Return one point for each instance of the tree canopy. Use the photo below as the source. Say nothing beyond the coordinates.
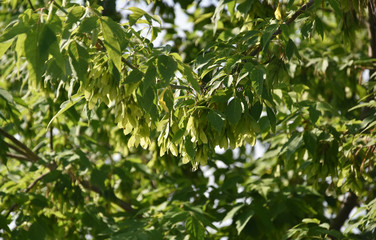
(106, 134)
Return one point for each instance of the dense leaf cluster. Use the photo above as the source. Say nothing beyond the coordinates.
(97, 124)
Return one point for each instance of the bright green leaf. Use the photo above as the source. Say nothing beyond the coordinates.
(111, 41)
(65, 106)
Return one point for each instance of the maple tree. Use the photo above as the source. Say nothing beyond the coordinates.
(106, 135)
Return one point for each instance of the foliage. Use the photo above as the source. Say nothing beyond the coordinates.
(105, 135)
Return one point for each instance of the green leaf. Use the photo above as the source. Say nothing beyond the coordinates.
(6, 95)
(192, 78)
(314, 114)
(150, 77)
(232, 212)
(256, 110)
(166, 67)
(135, 76)
(234, 111)
(216, 119)
(319, 27)
(79, 60)
(267, 36)
(88, 24)
(46, 39)
(195, 228)
(36, 64)
(4, 46)
(168, 98)
(293, 144)
(4, 224)
(111, 42)
(137, 13)
(290, 48)
(271, 117)
(257, 77)
(189, 147)
(97, 178)
(147, 100)
(243, 219)
(178, 135)
(245, 6)
(291, 2)
(65, 106)
(13, 31)
(336, 6)
(310, 142)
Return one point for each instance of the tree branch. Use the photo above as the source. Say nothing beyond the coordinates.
(31, 5)
(33, 157)
(19, 157)
(301, 10)
(18, 150)
(343, 214)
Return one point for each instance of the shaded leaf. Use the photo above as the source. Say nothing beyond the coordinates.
(234, 111)
(310, 142)
(166, 67)
(149, 77)
(243, 219)
(257, 78)
(232, 212)
(216, 120)
(135, 76)
(271, 117)
(195, 228)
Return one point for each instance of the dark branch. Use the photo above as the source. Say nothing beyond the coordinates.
(343, 214)
(51, 139)
(31, 5)
(33, 157)
(19, 157)
(301, 10)
(18, 150)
